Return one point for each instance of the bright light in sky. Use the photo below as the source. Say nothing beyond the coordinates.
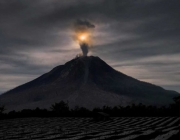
(82, 37)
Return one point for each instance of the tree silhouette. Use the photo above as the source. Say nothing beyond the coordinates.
(2, 109)
(174, 108)
(60, 108)
(177, 100)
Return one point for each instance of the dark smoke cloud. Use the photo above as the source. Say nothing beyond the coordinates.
(84, 48)
(84, 26)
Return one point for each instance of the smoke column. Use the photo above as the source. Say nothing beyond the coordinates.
(84, 48)
(83, 32)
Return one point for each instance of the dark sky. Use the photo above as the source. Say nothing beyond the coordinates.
(140, 38)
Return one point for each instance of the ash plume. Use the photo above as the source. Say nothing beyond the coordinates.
(84, 24)
(84, 48)
(83, 32)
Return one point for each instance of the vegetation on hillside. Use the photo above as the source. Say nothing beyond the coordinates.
(62, 109)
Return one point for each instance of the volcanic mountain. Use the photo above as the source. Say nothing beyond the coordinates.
(88, 82)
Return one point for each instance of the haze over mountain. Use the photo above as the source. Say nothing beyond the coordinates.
(88, 82)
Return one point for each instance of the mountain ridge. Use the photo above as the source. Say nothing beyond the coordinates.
(85, 81)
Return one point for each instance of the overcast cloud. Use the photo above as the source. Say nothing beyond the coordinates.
(137, 37)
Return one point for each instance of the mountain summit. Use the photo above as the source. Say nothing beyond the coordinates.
(85, 81)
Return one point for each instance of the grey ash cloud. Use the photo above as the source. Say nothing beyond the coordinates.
(84, 23)
(137, 37)
(81, 27)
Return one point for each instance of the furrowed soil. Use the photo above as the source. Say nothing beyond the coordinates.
(120, 128)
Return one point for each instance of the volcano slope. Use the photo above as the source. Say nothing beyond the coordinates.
(87, 82)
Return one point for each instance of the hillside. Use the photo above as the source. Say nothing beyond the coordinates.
(88, 82)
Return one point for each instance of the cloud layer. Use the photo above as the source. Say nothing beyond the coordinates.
(139, 38)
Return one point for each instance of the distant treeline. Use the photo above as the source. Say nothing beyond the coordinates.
(62, 109)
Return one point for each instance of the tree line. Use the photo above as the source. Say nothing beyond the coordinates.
(62, 109)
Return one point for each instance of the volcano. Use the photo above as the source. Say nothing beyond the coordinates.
(85, 81)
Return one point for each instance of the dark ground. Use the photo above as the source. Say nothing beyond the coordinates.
(121, 128)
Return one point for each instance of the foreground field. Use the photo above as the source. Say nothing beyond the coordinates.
(139, 128)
